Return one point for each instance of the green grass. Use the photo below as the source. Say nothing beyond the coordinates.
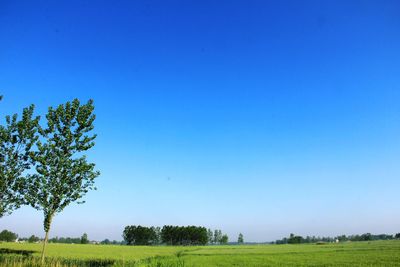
(376, 253)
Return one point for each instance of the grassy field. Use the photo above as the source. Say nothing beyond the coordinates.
(376, 253)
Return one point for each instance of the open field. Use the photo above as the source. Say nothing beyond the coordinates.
(375, 253)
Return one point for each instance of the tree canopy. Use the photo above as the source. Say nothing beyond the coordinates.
(17, 139)
(169, 235)
(240, 238)
(8, 236)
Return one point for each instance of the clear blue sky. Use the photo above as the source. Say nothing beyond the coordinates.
(260, 117)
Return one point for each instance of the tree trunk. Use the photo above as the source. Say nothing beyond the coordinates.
(46, 238)
(44, 246)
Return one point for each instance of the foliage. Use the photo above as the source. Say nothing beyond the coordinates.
(240, 238)
(17, 139)
(295, 239)
(84, 239)
(63, 174)
(184, 235)
(313, 239)
(217, 236)
(140, 235)
(169, 235)
(210, 236)
(65, 240)
(33, 239)
(224, 239)
(8, 236)
(105, 242)
(114, 242)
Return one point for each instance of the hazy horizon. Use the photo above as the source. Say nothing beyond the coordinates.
(251, 117)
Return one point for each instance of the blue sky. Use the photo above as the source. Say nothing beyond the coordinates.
(258, 117)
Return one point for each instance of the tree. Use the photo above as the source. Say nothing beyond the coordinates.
(224, 239)
(366, 237)
(17, 138)
(105, 242)
(84, 239)
(397, 236)
(140, 235)
(210, 236)
(63, 174)
(295, 239)
(240, 239)
(8, 236)
(33, 239)
(184, 235)
(217, 236)
(157, 236)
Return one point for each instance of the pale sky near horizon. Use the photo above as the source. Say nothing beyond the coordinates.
(260, 117)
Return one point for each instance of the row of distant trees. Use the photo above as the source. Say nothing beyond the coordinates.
(184, 235)
(297, 239)
(71, 240)
(173, 235)
(8, 236)
(217, 237)
(43, 162)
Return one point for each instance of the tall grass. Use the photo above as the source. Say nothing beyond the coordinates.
(13, 260)
(32, 261)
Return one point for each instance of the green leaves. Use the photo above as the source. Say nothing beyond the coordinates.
(63, 174)
(17, 139)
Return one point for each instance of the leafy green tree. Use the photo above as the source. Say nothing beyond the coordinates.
(84, 239)
(17, 138)
(157, 235)
(184, 235)
(63, 175)
(105, 242)
(33, 239)
(224, 239)
(217, 236)
(295, 239)
(240, 239)
(397, 236)
(8, 236)
(140, 235)
(210, 236)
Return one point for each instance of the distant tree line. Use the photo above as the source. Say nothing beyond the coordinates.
(141, 235)
(113, 242)
(31, 239)
(172, 235)
(189, 235)
(71, 240)
(184, 235)
(9, 236)
(296, 239)
(82, 240)
(368, 237)
(216, 237)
